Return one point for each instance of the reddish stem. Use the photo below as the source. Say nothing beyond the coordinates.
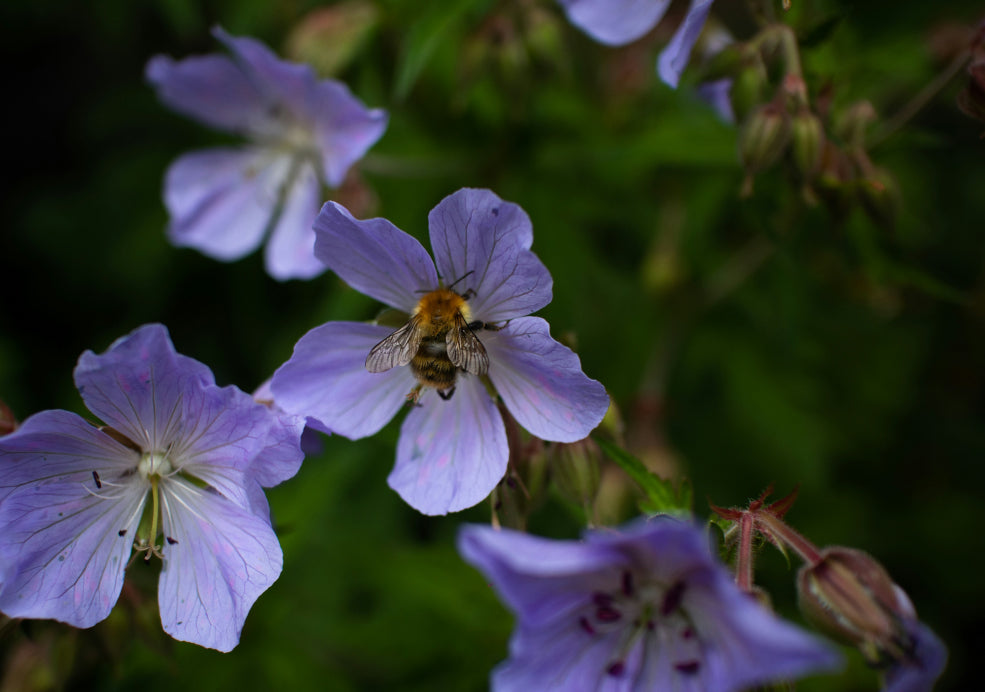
(774, 526)
(743, 563)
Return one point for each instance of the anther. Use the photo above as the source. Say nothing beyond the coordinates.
(172, 541)
(672, 598)
(627, 583)
(95, 478)
(687, 667)
(121, 532)
(586, 625)
(616, 669)
(607, 614)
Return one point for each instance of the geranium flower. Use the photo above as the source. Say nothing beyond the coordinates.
(176, 472)
(303, 132)
(617, 22)
(647, 608)
(925, 661)
(452, 449)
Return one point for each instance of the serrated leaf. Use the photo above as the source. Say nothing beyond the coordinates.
(661, 496)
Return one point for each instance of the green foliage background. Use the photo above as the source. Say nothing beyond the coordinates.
(745, 340)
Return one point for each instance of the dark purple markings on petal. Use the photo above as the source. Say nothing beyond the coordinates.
(121, 533)
(601, 599)
(95, 478)
(172, 541)
(672, 598)
(627, 583)
(616, 668)
(607, 614)
(688, 633)
(586, 625)
(688, 667)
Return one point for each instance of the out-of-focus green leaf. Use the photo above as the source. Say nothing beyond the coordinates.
(661, 496)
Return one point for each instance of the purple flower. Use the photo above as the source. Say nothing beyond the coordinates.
(303, 132)
(616, 22)
(179, 459)
(926, 659)
(647, 608)
(467, 332)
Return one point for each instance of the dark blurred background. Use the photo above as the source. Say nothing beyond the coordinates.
(783, 337)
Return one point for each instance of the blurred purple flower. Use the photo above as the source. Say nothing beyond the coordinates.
(617, 22)
(73, 496)
(647, 608)
(452, 449)
(303, 132)
(925, 660)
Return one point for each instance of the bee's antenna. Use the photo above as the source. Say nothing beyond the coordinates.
(459, 279)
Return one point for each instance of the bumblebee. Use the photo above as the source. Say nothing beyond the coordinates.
(438, 341)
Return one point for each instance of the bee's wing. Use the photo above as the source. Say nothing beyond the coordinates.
(465, 351)
(397, 349)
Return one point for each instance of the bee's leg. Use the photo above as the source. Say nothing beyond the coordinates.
(414, 395)
(447, 393)
(488, 326)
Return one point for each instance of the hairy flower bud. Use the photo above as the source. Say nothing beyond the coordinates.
(575, 469)
(8, 423)
(808, 142)
(764, 137)
(850, 596)
(749, 87)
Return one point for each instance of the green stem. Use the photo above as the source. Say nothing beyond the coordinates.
(920, 100)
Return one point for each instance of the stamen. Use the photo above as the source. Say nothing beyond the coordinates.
(616, 668)
(673, 598)
(688, 667)
(627, 583)
(95, 478)
(601, 599)
(172, 541)
(607, 614)
(121, 533)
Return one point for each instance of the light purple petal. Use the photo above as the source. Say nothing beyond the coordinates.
(219, 560)
(744, 644)
(139, 384)
(717, 95)
(615, 22)
(451, 454)
(326, 380)
(483, 243)
(374, 257)
(673, 59)
(541, 381)
(288, 89)
(539, 579)
(222, 200)
(345, 128)
(919, 673)
(61, 530)
(290, 252)
(223, 434)
(211, 89)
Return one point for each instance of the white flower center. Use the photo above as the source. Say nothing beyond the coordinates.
(155, 465)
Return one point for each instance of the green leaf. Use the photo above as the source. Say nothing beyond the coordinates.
(661, 496)
(423, 38)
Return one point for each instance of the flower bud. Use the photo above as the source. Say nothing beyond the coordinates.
(749, 87)
(8, 423)
(808, 142)
(880, 197)
(854, 122)
(575, 469)
(329, 38)
(851, 597)
(764, 137)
